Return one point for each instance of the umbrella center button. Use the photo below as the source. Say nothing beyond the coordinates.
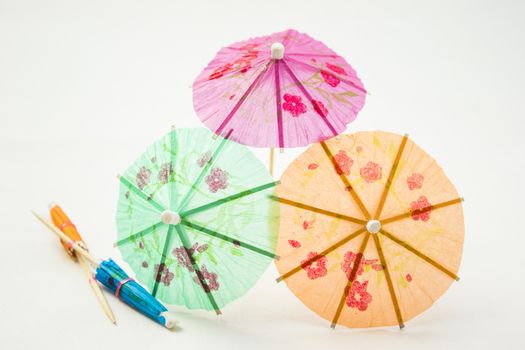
(373, 226)
(170, 217)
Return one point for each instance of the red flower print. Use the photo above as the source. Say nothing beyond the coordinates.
(219, 72)
(317, 271)
(313, 166)
(335, 68)
(307, 224)
(358, 297)
(217, 180)
(209, 277)
(231, 97)
(344, 162)
(421, 209)
(143, 177)
(349, 260)
(183, 258)
(163, 274)
(294, 243)
(371, 172)
(330, 78)
(409, 277)
(320, 108)
(165, 171)
(415, 181)
(294, 105)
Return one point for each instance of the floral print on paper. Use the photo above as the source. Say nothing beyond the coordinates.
(143, 177)
(371, 172)
(358, 297)
(210, 279)
(344, 163)
(164, 173)
(314, 269)
(163, 274)
(349, 260)
(294, 244)
(217, 180)
(335, 68)
(421, 209)
(313, 166)
(205, 158)
(415, 181)
(294, 104)
(320, 108)
(330, 78)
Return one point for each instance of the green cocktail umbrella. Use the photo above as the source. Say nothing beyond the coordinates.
(194, 219)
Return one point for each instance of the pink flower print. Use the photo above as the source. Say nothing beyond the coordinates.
(294, 105)
(163, 274)
(349, 260)
(344, 163)
(415, 181)
(165, 171)
(206, 157)
(219, 72)
(313, 272)
(313, 166)
(217, 180)
(294, 243)
(143, 177)
(330, 78)
(408, 277)
(358, 297)
(335, 68)
(320, 108)
(421, 209)
(210, 279)
(307, 224)
(183, 258)
(371, 172)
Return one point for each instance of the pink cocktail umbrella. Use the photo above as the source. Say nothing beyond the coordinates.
(281, 90)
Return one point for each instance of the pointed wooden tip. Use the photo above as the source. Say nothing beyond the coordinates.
(401, 326)
(278, 279)
(118, 176)
(333, 326)
(277, 257)
(218, 312)
(172, 127)
(457, 278)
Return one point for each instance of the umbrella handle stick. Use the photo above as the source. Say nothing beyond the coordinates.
(76, 247)
(271, 160)
(96, 289)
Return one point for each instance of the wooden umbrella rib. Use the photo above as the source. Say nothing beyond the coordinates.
(229, 198)
(388, 278)
(229, 239)
(141, 194)
(420, 211)
(203, 172)
(386, 190)
(351, 280)
(321, 254)
(167, 242)
(205, 287)
(419, 254)
(139, 234)
(317, 210)
(343, 178)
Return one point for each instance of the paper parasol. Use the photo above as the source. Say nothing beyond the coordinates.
(281, 90)
(194, 219)
(371, 229)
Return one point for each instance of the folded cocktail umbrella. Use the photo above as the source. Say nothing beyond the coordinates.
(371, 229)
(281, 90)
(194, 219)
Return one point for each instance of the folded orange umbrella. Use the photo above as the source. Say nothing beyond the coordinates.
(64, 224)
(371, 229)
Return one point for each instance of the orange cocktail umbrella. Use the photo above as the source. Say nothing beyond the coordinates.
(371, 229)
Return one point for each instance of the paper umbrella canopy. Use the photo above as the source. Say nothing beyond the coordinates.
(371, 229)
(281, 90)
(195, 221)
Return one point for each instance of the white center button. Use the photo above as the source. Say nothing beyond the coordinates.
(170, 217)
(373, 226)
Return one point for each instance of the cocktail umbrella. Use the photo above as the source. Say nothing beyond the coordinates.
(371, 229)
(115, 279)
(194, 219)
(281, 90)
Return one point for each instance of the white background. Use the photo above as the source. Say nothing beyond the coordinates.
(86, 86)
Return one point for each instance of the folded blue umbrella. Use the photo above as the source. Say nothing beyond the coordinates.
(130, 292)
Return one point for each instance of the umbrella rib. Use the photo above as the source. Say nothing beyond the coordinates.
(141, 194)
(317, 210)
(419, 254)
(278, 105)
(209, 163)
(205, 287)
(307, 95)
(388, 278)
(243, 98)
(158, 275)
(349, 82)
(391, 176)
(139, 234)
(229, 198)
(229, 239)
(343, 178)
(421, 211)
(321, 254)
(172, 167)
(351, 280)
